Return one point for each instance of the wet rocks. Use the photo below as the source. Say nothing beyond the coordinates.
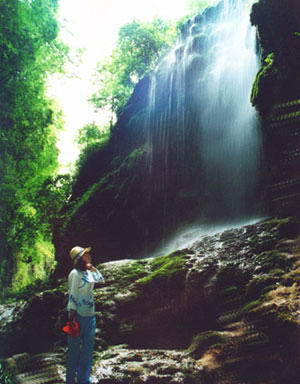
(222, 309)
(122, 365)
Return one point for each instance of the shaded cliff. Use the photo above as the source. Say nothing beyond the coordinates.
(276, 94)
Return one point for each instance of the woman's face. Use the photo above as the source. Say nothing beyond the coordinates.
(87, 258)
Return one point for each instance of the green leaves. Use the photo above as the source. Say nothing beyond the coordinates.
(197, 6)
(138, 49)
(29, 52)
(90, 134)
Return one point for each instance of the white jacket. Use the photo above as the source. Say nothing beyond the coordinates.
(81, 284)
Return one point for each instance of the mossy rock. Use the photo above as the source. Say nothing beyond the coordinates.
(280, 326)
(288, 227)
(231, 274)
(163, 268)
(277, 272)
(255, 288)
(132, 271)
(249, 307)
(254, 240)
(272, 260)
(201, 342)
(132, 159)
(264, 80)
(228, 292)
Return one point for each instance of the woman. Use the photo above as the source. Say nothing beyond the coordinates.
(82, 309)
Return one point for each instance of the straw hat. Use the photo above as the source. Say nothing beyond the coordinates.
(77, 252)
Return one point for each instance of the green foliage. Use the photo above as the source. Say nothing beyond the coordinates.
(138, 48)
(131, 160)
(263, 82)
(198, 6)
(91, 143)
(44, 285)
(30, 52)
(195, 7)
(90, 134)
(6, 377)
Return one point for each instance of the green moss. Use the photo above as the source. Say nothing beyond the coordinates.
(277, 272)
(163, 267)
(133, 271)
(256, 287)
(228, 291)
(271, 260)
(287, 227)
(132, 159)
(253, 240)
(267, 289)
(249, 307)
(104, 183)
(26, 293)
(262, 84)
(116, 181)
(201, 342)
(279, 325)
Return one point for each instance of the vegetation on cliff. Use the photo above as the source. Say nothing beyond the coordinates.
(30, 51)
(277, 24)
(138, 49)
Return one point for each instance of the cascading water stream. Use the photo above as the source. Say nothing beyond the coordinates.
(203, 130)
(229, 144)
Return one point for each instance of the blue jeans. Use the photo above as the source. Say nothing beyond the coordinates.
(80, 351)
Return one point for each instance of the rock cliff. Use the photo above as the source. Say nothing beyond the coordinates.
(276, 94)
(151, 176)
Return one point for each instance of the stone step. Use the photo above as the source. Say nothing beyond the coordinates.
(288, 246)
(228, 317)
(47, 375)
(44, 368)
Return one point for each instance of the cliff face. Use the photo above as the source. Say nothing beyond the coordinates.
(151, 177)
(137, 189)
(276, 94)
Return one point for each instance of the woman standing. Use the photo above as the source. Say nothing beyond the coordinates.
(81, 308)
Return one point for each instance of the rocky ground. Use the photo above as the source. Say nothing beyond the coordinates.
(225, 311)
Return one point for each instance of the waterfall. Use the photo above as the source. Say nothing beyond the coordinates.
(202, 130)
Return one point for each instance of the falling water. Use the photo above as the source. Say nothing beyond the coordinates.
(203, 131)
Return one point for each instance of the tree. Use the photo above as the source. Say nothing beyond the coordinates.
(138, 49)
(30, 51)
(197, 6)
(89, 134)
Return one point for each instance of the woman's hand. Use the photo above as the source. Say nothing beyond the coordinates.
(91, 268)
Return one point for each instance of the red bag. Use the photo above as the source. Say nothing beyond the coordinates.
(72, 328)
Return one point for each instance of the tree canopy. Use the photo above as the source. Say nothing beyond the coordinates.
(197, 6)
(30, 52)
(138, 49)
